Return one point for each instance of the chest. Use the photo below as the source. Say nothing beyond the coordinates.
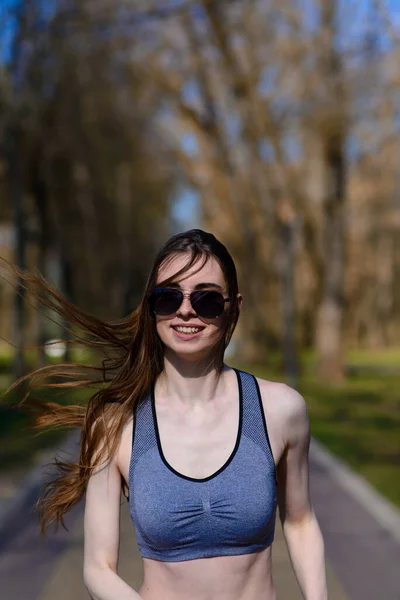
(236, 506)
(197, 443)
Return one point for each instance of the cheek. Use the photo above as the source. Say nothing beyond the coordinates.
(162, 327)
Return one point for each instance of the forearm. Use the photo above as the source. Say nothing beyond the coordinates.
(105, 584)
(306, 550)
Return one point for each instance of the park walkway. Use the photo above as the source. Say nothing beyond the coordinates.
(362, 541)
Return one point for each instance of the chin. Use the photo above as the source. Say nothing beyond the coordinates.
(183, 350)
(187, 350)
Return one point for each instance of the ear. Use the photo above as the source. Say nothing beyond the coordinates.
(240, 301)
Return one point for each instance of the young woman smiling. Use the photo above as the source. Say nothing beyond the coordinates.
(204, 453)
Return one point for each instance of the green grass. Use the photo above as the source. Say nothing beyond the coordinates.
(390, 357)
(358, 420)
(19, 442)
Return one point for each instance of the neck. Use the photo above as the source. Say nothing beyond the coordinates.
(191, 383)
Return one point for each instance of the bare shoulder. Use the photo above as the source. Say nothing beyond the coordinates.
(285, 398)
(286, 406)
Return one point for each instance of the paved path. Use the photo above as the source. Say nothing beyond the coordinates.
(361, 529)
(362, 547)
(32, 568)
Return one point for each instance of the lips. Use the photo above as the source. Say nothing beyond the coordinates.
(187, 332)
(188, 326)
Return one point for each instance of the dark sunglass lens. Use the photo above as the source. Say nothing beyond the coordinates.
(208, 304)
(166, 302)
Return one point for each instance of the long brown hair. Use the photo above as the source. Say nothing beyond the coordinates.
(132, 355)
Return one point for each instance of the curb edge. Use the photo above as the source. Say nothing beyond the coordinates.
(381, 509)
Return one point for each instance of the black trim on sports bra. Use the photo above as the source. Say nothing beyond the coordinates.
(229, 460)
(265, 425)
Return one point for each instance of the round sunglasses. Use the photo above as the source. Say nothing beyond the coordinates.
(208, 304)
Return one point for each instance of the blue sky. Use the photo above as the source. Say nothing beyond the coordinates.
(7, 29)
(394, 6)
(186, 209)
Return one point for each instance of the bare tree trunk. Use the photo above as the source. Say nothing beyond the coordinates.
(67, 290)
(39, 192)
(20, 246)
(330, 313)
(290, 355)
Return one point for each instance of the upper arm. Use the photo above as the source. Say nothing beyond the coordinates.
(293, 470)
(101, 522)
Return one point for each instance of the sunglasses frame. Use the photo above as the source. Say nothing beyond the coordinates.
(188, 295)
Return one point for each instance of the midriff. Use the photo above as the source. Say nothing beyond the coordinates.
(239, 577)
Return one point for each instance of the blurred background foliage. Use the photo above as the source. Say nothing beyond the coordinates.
(273, 125)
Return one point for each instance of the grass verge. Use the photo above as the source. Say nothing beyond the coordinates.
(19, 442)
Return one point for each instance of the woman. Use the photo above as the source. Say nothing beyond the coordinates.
(203, 452)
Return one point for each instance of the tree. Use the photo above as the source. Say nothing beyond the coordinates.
(94, 179)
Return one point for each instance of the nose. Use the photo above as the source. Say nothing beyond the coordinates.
(186, 308)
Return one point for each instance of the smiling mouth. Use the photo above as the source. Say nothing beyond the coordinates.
(187, 330)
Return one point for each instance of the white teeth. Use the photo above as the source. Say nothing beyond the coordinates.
(187, 329)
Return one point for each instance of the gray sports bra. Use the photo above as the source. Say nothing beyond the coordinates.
(230, 512)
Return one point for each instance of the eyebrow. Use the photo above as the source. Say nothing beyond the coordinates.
(198, 286)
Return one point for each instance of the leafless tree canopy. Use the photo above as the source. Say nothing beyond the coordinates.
(282, 117)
